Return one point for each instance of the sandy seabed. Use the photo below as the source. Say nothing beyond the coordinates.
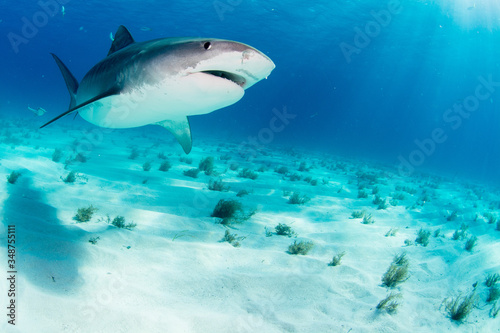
(173, 272)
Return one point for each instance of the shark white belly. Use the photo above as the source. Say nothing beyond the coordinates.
(170, 99)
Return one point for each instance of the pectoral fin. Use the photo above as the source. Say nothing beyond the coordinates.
(110, 92)
(181, 129)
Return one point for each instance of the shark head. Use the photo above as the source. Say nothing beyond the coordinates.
(200, 75)
(193, 76)
(239, 63)
(163, 81)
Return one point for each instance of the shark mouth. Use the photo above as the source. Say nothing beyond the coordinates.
(235, 78)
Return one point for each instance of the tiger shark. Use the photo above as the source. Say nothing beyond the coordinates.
(163, 82)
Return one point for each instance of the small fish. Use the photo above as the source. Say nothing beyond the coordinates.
(111, 37)
(63, 11)
(146, 29)
(38, 112)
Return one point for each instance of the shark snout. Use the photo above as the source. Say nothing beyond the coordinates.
(250, 55)
(255, 66)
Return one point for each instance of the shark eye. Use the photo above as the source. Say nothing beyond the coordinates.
(207, 45)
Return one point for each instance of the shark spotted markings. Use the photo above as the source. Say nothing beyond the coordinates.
(163, 81)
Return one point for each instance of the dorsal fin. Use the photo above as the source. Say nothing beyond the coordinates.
(122, 39)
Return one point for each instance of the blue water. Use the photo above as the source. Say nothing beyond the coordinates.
(373, 103)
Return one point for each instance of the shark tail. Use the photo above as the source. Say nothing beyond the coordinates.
(70, 80)
(72, 85)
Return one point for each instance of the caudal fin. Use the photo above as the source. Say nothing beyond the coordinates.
(70, 80)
